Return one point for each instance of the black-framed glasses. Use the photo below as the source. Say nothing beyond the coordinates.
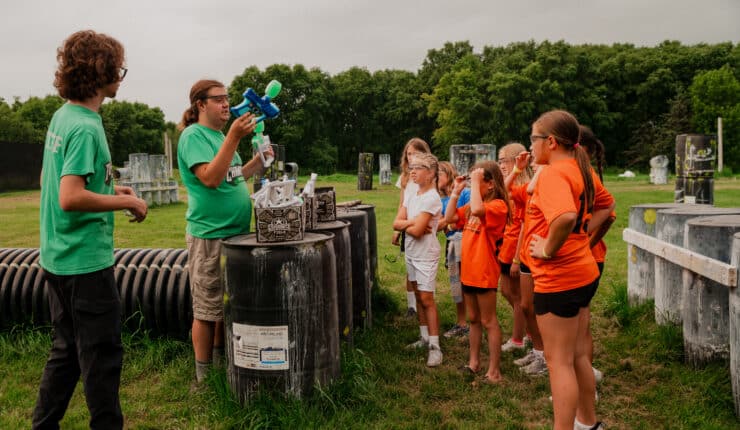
(533, 138)
(221, 98)
(505, 160)
(122, 73)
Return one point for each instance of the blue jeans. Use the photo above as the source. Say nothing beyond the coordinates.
(86, 317)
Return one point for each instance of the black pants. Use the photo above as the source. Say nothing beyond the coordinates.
(86, 317)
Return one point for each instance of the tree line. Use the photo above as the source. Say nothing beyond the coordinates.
(636, 99)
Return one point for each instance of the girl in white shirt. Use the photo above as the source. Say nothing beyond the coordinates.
(418, 218)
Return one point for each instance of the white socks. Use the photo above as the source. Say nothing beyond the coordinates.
(411, 299)
(201, 370)
(434, 341)
(580, 426)
(424, 332)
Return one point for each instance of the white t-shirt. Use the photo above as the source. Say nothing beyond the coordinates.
(411, 188)
(427, 246)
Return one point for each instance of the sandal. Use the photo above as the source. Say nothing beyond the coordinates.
(485, 380)
(468, 371)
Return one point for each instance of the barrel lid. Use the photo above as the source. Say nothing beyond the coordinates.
(732, 220)
(251, 240)
(690, 209)
(330, 225)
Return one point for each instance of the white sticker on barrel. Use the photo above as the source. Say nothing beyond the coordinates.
(260, 347)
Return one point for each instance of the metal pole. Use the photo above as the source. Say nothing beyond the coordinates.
(719, 144)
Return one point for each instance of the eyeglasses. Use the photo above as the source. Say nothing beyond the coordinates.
(220, 99)
(122, 73)
(505, 160)
(533, 138)
(417, 167)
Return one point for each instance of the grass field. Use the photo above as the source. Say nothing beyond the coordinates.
(646, 384)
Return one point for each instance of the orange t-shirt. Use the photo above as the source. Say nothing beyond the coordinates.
(521, 198)
(511, 233)
(602, 200)
(479, 267)
(560, 190)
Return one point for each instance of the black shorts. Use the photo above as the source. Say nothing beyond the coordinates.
(596, 282)
(565, 304)
(467, 289)
(523, 268)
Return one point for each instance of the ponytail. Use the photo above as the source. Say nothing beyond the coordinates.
(190, 116)
(584, 164)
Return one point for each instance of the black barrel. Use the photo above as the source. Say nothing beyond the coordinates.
(696, 155)
(280, 314)
(343, 253)
(361, 280)
(372, 236)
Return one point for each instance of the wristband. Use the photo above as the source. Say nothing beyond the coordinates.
(515, 261)
(454, 195)
(544, 254)
(516, 169)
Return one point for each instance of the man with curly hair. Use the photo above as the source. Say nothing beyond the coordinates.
(77, 200)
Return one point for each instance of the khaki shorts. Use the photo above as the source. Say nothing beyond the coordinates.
(206, 286)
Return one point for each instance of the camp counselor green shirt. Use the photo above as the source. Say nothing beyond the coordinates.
(219, 212)
(75, 242)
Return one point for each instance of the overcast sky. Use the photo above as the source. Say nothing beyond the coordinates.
(172, 43)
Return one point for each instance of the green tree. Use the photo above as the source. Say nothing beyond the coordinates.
(14, 129)
(132, 128)
(716, 93)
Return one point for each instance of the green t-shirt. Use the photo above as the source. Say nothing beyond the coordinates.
(213, 213)
(75, 242)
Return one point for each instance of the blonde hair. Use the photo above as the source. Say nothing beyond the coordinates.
(449, 169)
(429, 160)
(512, 149)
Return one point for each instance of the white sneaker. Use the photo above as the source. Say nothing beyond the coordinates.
(526, 359)
(419, 344)
(538, 366)
(598, 374)
(435, 356)
(510, 345)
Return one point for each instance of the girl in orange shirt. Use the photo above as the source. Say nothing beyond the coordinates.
(507, 257)
(563, 268)
(485, 218)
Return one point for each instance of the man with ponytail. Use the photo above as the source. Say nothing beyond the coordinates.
(218, 207)
(563, 267)
(78, 198)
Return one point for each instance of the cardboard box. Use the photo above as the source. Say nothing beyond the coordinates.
(326, 204)
(280, 224)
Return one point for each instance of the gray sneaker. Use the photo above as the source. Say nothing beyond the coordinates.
(538, 366)
(419, 344)
(435, 356)
(526, 359)
(457, 331)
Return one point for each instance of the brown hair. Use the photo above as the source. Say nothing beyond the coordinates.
(449, 169)
(512, 149)
(564, 127)
(491, 172)
(198, 92)
(88, 61)
(418, 144)
(594, 149)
